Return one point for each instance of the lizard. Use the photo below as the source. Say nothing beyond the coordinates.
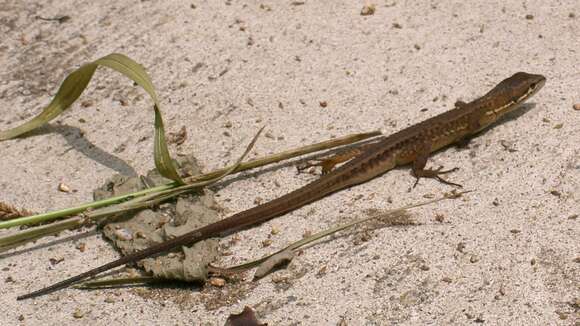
(412, 145)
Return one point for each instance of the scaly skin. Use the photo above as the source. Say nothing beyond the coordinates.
(411, 145)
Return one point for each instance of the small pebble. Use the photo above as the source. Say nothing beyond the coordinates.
(123, 234)
(63, 188)
(78, 314)
(502, 290)
(269, 135)
(217, 282)
(266, 243)
(81, 246)
(368, 10)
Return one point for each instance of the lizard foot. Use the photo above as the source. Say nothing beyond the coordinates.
(326, 164)
(435, 174)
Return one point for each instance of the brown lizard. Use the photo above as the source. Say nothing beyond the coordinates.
(411, 145)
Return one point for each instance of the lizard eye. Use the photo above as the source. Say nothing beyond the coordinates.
(533, 86)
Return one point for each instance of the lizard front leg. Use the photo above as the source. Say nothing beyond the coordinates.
(419, 170)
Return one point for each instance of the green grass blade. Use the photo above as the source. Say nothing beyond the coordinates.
(76, 82)
(70, 89)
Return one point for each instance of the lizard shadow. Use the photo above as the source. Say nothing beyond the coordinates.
(523, 109)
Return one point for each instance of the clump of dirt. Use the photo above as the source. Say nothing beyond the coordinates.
(147, 227)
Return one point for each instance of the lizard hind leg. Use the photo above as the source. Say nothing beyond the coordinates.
(328, 163)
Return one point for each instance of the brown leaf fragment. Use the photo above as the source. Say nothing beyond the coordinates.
(245, 318)
(177, 138)
(278, 259)
(8, 212)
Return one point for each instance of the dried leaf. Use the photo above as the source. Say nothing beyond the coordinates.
(245, 318)
(8, 212)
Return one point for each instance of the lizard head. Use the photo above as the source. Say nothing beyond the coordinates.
(509, 94)
(521, 86)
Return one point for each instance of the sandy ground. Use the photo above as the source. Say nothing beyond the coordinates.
(504, 255)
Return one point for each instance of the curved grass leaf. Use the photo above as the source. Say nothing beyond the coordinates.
(76, 82)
